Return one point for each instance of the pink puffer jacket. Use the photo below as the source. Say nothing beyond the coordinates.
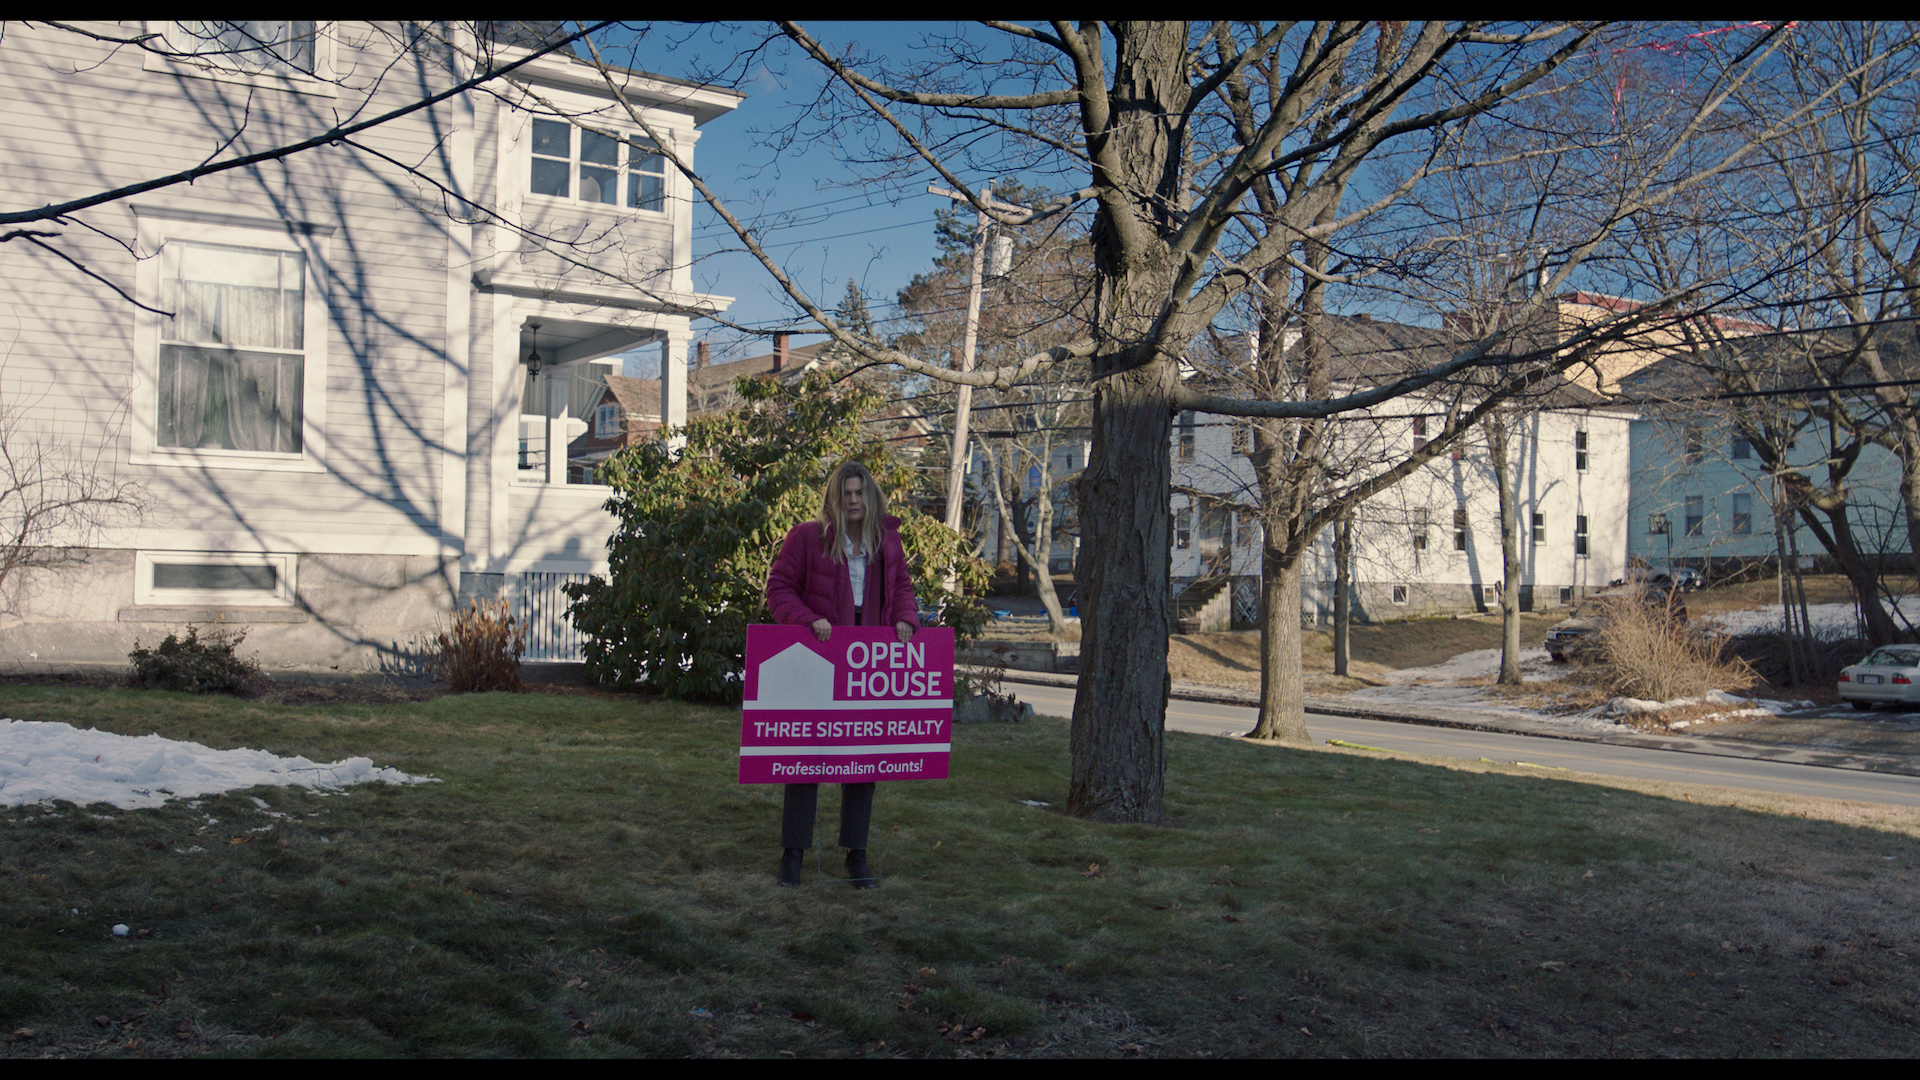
(804, 584)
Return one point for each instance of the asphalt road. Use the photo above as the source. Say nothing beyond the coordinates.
(1592, 757)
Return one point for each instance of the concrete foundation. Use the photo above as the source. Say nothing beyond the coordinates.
(350, 614)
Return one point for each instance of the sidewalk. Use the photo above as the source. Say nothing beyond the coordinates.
(1889, 744)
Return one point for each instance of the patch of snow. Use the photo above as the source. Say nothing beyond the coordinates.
(1480, 663)
(1827, 619)
(44, 762)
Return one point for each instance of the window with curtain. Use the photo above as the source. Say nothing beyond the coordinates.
(232, 364)
(276, 46)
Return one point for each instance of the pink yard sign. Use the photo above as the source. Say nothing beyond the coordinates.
(858, 707)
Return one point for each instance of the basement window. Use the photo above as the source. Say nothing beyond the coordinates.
(185, 577)
(1400, 594)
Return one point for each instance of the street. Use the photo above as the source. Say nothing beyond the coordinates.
(1592, 757)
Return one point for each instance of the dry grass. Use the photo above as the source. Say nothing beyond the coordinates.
(588, 881)
(1653, 655)
(1232, 658)
(481, 652)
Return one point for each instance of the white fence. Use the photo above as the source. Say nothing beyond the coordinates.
(540, 605)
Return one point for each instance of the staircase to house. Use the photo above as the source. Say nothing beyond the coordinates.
(1203, 606)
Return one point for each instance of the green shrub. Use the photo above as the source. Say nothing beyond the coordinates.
(194, 665)
(698, 529)
(481, 651)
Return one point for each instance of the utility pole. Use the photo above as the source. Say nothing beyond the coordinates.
(963, 403)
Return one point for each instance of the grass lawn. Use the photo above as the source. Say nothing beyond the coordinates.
(587, 880)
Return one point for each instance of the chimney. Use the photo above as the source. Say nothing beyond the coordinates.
(780, 351)
(700, 356)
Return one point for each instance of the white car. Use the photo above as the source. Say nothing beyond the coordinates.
(1890, 673)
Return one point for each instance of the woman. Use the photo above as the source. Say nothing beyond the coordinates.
(845, 569)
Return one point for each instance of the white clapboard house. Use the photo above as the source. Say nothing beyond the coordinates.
(337, 377)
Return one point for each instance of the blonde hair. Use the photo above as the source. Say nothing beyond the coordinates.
(833, 511)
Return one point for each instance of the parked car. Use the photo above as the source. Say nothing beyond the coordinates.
(1579, 634)
(1685, 578)
(1889, 673)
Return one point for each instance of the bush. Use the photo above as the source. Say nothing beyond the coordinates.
(698, 529)
(1652, 653)
(193, 665)
(482, 650)
(1767, 655)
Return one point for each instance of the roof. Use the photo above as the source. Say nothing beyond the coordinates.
(1373, 352)
(719, 376)
(1782, 360)
(636, 397)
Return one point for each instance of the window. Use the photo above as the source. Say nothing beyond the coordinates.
(1419, 432)
(1458, 453)
(1420, 528)
(1243, 531)
(1696, 515)
(606, 421)
(1566, 595)
(1696, 444)
(1580, 451)
(1742, 448)
(234, 374)
(1743, 515)
(1243, 437)
(273, 46)
(1580, 536)
(1656, 524)
(232, 357)
(1183, 529)
(1186, 435)
(591, 167)
(226, 579)
(1400, 594)
(1539, 528)
(1460, 528)
(284, 54)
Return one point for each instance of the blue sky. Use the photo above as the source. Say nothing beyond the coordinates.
(878, 234)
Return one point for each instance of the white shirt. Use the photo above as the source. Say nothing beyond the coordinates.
(857, 572)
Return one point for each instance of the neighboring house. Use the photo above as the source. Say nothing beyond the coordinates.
(1431, 543)
(619, 413)
(1702, 497)
(344, 423)
(1069, 457)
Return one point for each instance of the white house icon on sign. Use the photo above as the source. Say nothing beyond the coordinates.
(796, 678)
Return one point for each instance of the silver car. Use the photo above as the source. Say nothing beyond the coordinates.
(1890, 673)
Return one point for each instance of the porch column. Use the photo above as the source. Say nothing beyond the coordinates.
(673, 382)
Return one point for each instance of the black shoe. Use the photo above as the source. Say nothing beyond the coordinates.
(791, 860)
(863, 877)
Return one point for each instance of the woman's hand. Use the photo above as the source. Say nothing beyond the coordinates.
(906, 631)
(822, 628)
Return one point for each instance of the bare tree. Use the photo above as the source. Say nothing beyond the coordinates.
(55, 498)
(1118, 104)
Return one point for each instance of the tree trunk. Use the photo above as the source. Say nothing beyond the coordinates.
(1838, 540)
(1283, 686)
(1118, 739)
(1505, 477)
(1343, 595)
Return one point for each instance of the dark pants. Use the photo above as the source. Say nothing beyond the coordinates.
(803, 801)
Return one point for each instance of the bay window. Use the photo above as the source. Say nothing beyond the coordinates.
(569, 162)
